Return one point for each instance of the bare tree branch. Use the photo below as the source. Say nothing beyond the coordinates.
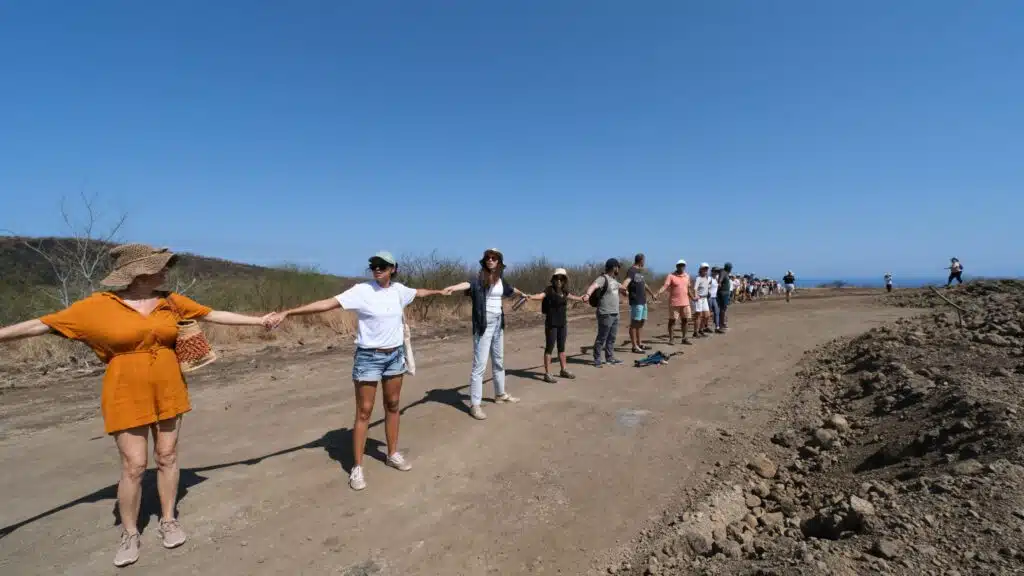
(79, 260)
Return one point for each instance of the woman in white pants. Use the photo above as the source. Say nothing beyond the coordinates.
(487, 289)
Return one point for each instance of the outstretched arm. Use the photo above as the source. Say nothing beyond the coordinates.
(421, 292)
(650, 292)
(26, 329)
(274, 319)
(590, 290)
(233, 319)
(460, 287)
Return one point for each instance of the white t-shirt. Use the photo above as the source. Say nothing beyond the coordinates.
(380, 312)
(494, 298)
(713, 293)
(702, 285)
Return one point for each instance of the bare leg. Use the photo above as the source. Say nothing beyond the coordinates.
(365, 394)
(132, 445)
(165, 449)
(392, 400)
(671, 329)
(561, 360)
(547, 362)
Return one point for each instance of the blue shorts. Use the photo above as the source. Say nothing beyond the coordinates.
(372, 366)
(638, 312)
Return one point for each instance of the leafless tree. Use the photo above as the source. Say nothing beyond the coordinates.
(79, 261)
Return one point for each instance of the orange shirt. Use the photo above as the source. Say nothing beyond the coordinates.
(678, 289)
(143, 383)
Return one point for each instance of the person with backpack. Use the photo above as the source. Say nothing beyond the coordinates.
(603, 294)
(790, 282)
(554, 305)
(486, 290)
(679, 296)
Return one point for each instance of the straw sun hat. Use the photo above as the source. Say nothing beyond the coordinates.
(133, 260)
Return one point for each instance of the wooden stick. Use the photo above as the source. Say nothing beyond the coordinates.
(946, 299)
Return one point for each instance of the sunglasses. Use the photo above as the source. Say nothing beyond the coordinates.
(379, 266)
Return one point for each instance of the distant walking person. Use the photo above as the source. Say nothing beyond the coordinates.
(554, 305)
(486, 290)
(606, 291)
(888, 281)
(956, 270)
(725, 289)
(133, 330)
(379, 355)
(637, 289)
(679, 296)
(789, 280)
(701, 290)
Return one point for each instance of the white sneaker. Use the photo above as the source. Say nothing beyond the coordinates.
(398, 462)
(355, 479)
(477, 412)
(506, 397)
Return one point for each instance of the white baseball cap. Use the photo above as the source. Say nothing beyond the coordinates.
(681, 261)
(705, 265)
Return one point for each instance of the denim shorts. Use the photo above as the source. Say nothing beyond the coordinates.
(372, 366)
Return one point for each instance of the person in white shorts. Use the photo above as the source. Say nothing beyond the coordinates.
(701, 289)
(790, 282)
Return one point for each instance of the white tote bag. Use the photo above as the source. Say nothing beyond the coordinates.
(410, 361)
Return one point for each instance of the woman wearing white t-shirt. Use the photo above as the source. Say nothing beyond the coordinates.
(701, 287)
(379, 356)
(487, 290)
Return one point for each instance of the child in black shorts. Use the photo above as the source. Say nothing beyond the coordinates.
(554, 304)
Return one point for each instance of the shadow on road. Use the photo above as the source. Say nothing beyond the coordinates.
(336, 443)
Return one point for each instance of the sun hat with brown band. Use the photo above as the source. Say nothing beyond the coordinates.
(133, 260)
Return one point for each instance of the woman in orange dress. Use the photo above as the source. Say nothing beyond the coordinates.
(133, 330)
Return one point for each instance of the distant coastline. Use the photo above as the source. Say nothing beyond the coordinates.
(879, 282)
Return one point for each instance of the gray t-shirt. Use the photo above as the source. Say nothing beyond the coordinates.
(610, 299)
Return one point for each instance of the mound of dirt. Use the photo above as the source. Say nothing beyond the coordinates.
(966, 295)
(902, 453)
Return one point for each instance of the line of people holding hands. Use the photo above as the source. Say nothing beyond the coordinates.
(132, 326)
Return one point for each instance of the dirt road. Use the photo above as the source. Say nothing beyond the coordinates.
(559, 484)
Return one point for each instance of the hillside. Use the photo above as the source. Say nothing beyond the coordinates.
(29, 284)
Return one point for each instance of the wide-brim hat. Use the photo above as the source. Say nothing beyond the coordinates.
(496, 252)
(560, 272)
(133, 260)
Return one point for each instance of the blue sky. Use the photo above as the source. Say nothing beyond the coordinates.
(837, 139)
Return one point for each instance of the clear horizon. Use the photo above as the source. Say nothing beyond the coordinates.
(843, 140)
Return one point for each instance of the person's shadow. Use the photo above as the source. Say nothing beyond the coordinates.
(336, 443)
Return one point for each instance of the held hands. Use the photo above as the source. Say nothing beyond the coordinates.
(274, 319)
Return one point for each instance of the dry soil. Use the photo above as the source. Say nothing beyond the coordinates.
(574, 479)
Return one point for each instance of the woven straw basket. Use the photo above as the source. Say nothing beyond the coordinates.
(192, 347)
